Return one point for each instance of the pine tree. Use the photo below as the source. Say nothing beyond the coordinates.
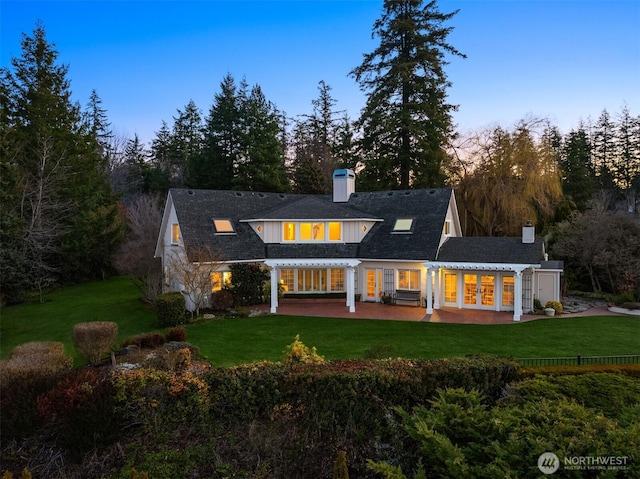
(406, 122)
(578, 176)
(63, 180)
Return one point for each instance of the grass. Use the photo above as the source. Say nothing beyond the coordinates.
(228, 342)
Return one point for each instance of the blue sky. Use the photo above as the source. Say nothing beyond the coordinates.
(563, 60)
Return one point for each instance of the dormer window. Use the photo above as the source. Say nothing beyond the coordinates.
(403, 225)
(223, 226)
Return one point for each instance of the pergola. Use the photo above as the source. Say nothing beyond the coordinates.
(348, 264)
(433, 301)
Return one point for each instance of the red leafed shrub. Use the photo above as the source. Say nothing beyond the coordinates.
(178, 334)
(145, 341)
(221, 300)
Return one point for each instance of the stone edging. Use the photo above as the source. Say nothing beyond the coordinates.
(632, 312)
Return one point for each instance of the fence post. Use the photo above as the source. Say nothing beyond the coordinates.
(578, 360)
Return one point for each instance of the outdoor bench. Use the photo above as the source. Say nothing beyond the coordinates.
(400, 295)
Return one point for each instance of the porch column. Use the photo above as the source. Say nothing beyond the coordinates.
(436, 289)
(517, 299)
(351, 294)
(274, 289)
(429, 293)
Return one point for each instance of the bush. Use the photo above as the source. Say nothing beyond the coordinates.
(93, 340)
(170, 308)
(80, 411)
(247, 283)
(556, 305)
(159, 401)
(30, 370)
(221, 300)
(145, 341)
(298, 353)
(178, 334)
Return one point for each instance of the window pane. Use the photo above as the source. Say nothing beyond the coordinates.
(216, 281)
(335, 231)
(286, 277)
(403, 279)
(175, 233)
(337, 280)
(414, 280)
(223, 226)
(318, 231)
(305, 231)
(403, 224)
(289, 233)
(450, 287)
(507, 290)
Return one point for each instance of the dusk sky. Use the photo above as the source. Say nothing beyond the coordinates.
(562, 60)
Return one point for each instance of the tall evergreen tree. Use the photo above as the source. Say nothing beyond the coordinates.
(406, 122)
(627, 163)
(261, 166)
(321, 142)
(63, 183)
(603, 151)
(578, 176)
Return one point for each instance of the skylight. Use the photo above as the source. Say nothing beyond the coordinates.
(403, 225)
(223, 226)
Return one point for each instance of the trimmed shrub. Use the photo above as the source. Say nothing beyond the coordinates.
(30, 370)
(170, 308)
(221, 300)
(145, 341)
(632, 370)
(178, 334)
(93, 340)
(247, 283)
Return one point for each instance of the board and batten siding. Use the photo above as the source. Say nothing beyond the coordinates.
(352, 231)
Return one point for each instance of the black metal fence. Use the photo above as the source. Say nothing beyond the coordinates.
(579, 360)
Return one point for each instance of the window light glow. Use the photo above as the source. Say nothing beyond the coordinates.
(223, 226)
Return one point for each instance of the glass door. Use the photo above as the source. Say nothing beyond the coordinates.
(374, 284)
(479, 290)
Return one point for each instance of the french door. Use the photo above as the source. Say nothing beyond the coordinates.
(479, 290)
(374, 284)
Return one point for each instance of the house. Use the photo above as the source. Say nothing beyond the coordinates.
(404, 244)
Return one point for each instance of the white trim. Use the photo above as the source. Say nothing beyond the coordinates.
(348, 264)
(517, 269)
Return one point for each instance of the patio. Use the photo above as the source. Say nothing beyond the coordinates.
(336, 308)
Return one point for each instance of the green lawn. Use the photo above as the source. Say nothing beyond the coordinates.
(235, 341)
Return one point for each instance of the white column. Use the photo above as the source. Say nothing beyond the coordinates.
(351, 294)
(517, 299)
(429, 293)
(274, 289)
(436, 289)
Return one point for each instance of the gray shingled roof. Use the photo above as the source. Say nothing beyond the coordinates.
(196, 210)
(491, 250)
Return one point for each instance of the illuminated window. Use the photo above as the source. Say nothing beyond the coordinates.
(287, 279)
(450, 287)
(220, 279)
(337, 280)
(364, 229)
(409, 279)
(403, 225)
(508, 290)
(335, 233)
(447, 227)
(175, 233)
(289, 232)
(223, 226)
(305, 231)
(317, 231)
(259, 228)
